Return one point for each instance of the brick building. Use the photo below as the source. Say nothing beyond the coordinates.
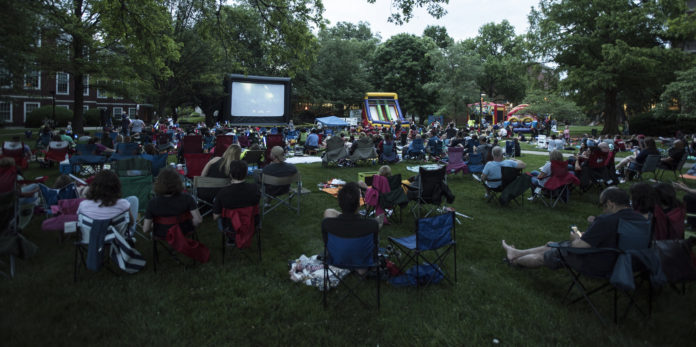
(38, 90)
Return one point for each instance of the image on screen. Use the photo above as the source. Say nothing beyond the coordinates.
(257, 99)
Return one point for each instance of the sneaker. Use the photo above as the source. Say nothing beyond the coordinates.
(537, 190)
(531, 198)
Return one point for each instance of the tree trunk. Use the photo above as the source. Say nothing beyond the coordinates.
(611, 119)
(77, 46)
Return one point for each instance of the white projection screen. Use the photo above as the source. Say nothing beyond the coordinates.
(258, 100)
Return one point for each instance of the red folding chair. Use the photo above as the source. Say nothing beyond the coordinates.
(15, 150)
(192, 144)
(221, 144)
(57, 151)
(195, 162)
(244, 141)
(272, 141)
(455, 161)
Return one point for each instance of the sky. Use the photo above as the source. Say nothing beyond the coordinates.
(462, 21)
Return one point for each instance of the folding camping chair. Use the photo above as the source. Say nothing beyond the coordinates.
(125, 150)
(244, 141)
(51, 196)
(649, 165)
(272, 141)
(158, 161)
(356, 251)
(434, 235)
(135, 175)
(253, 158)
(8, 227)
(163, 241)
(509, 175)
(677, 169)
(57, 151)
(192, 144)
(475, 163)
(541, 141)
(455, 160)
(510, 149)
(430, 189)
(222, 142)
(335, 151)
(558, 186)
(634, 238)
(95, 236)
(238, 227)
(87, 160)
(195, 162)
(434, 147)
(207, 182)
(15, 150)
(275, 201)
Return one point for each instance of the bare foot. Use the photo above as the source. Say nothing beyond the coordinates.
(512, 253)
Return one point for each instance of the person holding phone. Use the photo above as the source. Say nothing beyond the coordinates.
(602, 233)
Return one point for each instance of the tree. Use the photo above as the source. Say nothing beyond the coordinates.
(682, 93)
(614, 52)
(503, 57)
(554, 105)
(456, 69)
(103, 39)
(341, 72)
(439, 35)
(402, 65)
(406, 7)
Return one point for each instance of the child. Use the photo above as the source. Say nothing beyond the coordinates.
(68, 129)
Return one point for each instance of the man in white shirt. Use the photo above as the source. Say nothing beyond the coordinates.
(492, 173)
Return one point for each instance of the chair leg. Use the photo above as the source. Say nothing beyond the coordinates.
(154, 253)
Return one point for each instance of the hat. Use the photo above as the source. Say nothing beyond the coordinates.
(278, 153)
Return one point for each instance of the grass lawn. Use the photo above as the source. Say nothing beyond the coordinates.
(248, 303)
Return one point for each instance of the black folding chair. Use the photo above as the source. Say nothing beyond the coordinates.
(634, 237)
(508, 175)
(677, 169)
(429, 190)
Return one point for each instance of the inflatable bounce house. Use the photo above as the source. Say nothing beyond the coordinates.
(520, 121)
(381, 109)
(492, 112)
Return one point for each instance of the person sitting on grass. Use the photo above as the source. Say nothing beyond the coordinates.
(171, 201)
(602, 233)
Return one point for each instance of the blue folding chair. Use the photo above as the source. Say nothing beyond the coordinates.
(436, 236)
(416, 150)
(475, 163)
(158, 162)
(354, 252)
(87, 160)
(435, 147)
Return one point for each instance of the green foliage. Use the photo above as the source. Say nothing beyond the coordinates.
(456, 69)
(36, 118)
(340, 74)
(559, 107)
(614, 52)
(434, 8)
(439, 35)
(662, 123)
(682, 93)
(503, 58)
(191, 119)
(93, 117)
(401, 65)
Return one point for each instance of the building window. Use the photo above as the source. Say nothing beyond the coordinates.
(62, 83)
(32, 80)
(118, 111)
(85, 108)
(85, 85)
(101, 94)
(30, 106)
(102, 108)
(6, 111)
(131, 111)
(5, 78)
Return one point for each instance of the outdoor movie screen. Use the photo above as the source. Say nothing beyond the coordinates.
(256, 100)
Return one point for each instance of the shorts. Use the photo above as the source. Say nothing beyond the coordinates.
(552, 257)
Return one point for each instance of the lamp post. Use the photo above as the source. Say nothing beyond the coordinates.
(53, 110)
